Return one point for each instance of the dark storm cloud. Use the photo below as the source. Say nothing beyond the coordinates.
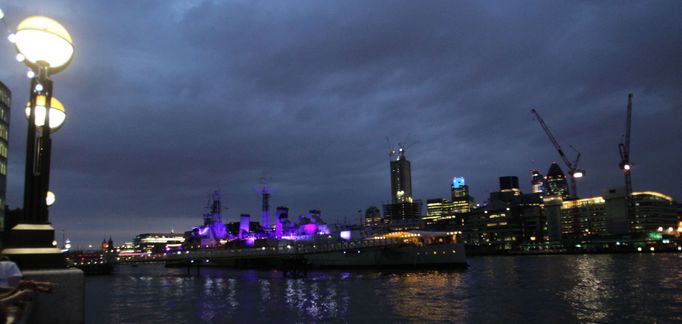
(169, 100)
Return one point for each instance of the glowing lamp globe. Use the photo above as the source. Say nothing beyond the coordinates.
(50, 198)
(578, 174)
(57, 112)
(42, 41)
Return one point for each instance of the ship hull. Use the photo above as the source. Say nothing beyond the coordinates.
(405, 256)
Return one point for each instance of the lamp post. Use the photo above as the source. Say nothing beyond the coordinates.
(46, 48)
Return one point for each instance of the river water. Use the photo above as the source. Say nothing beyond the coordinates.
(622, 288)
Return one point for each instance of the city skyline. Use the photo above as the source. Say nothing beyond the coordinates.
(168, 102)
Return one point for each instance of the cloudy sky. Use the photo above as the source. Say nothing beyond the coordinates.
(170, 100)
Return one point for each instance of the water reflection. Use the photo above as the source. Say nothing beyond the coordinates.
(264, 293)
(434, 296)
(592, 288)
(319, 296)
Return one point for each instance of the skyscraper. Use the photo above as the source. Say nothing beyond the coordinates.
(462, 202)
(537, 181)
(401, 178)
(556, 184)
(5, 101)
(403, 209)
(510, 184)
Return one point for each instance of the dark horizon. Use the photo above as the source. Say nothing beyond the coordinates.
(167, 102)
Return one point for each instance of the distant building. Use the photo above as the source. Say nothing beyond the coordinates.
(372, 217)
(509, 194)
(403, 212)
(584, 218)
(437, 210)
(493, 228)
(552, 211)
(537, 182)
(403, 209)
(556, 184)
(616, 207)
(510, 184)
(462, 201)
(533, 221)
(5, 102)
(652, 210)
(401, 178)
(577, 219)
(442, 214)
(606, 216)
(508, 220)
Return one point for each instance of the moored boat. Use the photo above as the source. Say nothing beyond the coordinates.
(401, 250)
(405, 249)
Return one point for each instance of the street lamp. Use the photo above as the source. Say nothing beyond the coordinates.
(57, 113)
(44, 43)
(50, 198)
(45, 46)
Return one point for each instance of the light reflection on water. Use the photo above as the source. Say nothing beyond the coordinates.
(591, 289)
(561, 288)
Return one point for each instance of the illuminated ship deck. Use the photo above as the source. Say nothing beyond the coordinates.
(309, 242)
(398, 249)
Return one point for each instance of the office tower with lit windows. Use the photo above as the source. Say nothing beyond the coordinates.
(401, 178)
(509, 191)
(403, 208)
(372, 217)
(556, 184)
(443, 214)
(5, 101)
(510, 184)
(462, 202)
(537, 182)
(438, 210)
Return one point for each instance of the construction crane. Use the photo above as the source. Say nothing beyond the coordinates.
(573, 170)
(625, 163)
(624, 148)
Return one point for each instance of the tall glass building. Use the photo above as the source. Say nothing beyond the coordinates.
(401, 179)
(404, 208)
(556, 184)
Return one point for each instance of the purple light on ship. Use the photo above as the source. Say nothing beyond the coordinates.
(244, 225)
(323, 229)
(309, 228)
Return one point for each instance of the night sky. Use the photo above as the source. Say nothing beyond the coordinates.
(170, 100)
